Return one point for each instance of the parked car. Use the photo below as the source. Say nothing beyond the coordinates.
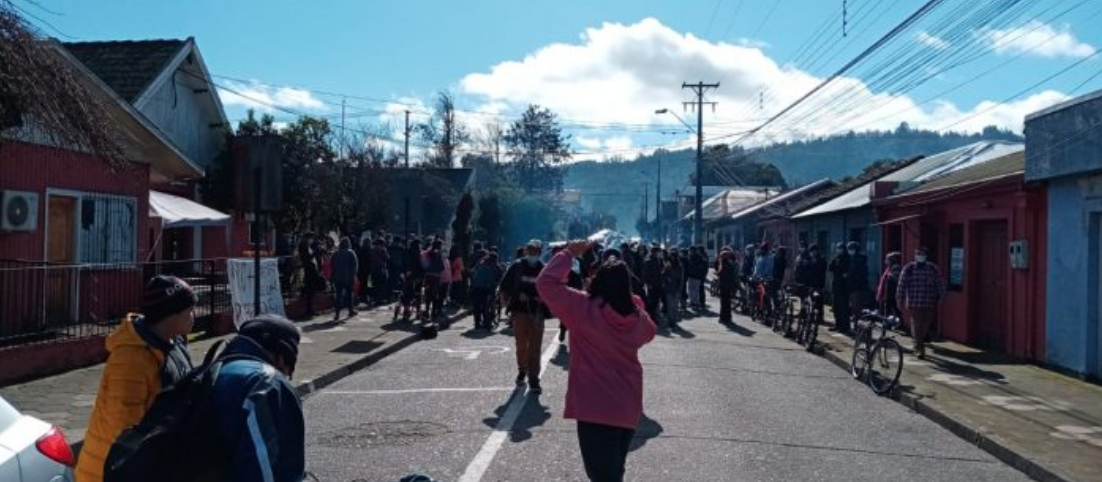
(32, 450)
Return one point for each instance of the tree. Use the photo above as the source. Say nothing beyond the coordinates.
(537, 147)
(37, 82)
(489, 219)
(443, 132)
(491, 140)
(461, 225)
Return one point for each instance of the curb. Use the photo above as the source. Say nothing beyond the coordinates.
(304, 390)
(971, 435)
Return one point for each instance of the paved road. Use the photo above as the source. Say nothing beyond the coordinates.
(724, 405)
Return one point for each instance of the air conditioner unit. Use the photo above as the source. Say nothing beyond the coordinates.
(18, 211)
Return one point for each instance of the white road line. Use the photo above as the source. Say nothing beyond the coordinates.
(415, 390)
(481, 462)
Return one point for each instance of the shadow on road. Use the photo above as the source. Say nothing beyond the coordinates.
(648, 429)
(683, 333)
(741, 330)
(562, 358)
(534, 414)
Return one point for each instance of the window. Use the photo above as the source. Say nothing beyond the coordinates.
(955, 273)
(108, 229)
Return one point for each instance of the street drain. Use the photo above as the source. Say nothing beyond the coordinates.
(382, 433)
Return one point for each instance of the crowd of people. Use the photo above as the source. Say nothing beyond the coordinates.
(610, 302)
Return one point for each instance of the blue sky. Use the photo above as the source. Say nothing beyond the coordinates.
(605, 66)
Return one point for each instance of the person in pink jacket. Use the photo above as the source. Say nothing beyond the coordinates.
(607, 327)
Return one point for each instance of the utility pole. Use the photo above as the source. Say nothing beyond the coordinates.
(646, 202)
(699, 88)
(658, 203)
(407, 173)
(343, 132)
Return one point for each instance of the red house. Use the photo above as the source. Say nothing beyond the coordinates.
(75, 231)
(979, 222)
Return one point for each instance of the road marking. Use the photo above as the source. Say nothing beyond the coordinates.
(418, 390)
(473, 352)
(481, 462)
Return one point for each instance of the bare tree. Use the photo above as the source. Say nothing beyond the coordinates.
(492, 139)
(41, 94)
(443, 132)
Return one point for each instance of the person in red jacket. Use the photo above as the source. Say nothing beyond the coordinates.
(608, 325)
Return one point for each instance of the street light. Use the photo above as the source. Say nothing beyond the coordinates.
(670, 112)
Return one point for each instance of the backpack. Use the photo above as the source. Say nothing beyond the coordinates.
(177, 438)
(485, 276)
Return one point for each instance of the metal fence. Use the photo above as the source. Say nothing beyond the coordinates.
(43, 302)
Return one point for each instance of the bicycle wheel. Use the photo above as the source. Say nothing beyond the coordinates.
(858, 366)
(885, 365)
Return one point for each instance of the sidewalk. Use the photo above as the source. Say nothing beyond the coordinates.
(1045, 424)
(329, 351)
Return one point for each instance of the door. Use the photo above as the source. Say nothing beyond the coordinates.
(61, 253)
(990, 285)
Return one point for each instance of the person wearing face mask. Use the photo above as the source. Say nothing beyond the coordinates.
(839, 289)
(526, 313)
(889, 283)
(919, 292)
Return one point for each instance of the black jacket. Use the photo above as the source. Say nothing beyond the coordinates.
(520, 279)
(728, 273)
(839, 266)
(653, 269)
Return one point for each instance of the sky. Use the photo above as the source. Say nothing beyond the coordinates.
(605, 67)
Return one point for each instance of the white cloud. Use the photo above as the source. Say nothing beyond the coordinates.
(621, 73)
(932, 41)
(267, 98)
(1038, 38)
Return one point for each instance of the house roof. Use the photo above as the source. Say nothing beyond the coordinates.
(127, 67)
(781, 203)
(997, 168)
(731, 201)
(925, 169)
(815, 199)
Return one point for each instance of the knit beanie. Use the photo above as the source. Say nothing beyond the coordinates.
(165, 296)
(274, 333)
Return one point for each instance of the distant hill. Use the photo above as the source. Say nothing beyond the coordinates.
(617, 187)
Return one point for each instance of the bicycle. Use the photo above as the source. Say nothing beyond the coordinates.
(786, 316)
(877, 357)
(811, 312)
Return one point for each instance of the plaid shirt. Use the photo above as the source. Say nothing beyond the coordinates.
(920, 286)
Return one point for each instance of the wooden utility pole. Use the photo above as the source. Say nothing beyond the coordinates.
(699, 88)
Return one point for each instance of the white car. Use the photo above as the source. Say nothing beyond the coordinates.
(32, 450)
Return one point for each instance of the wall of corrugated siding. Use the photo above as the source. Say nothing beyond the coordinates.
(176, 109)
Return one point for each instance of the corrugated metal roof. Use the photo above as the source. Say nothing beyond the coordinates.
(1000, 167)
(783, 197)
(731, 201)
(922, 170)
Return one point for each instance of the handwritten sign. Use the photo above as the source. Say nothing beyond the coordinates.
(241, 273)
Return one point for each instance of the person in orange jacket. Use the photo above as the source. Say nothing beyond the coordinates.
(147, 353)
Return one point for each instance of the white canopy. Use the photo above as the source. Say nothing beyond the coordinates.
(178, 212)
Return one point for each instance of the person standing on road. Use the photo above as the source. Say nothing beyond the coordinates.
(697, 272)
(363, 269)
(344, 265)
(411, 289)
(527, 313)
(257, 413)
(148, 352)
(608, 326)
(702, 291)
(920, 291)
(672, 281)
(839, 290)
(434, 266)
(654, 268)
(728, 277)
(312, 280)
(380, 272)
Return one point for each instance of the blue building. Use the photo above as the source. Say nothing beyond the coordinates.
(1064, 151)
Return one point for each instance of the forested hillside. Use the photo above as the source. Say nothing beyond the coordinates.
(617, 187)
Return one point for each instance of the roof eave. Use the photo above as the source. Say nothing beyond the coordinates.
(193, 170)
